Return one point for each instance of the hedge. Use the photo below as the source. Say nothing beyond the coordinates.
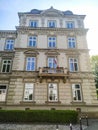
(38, 116)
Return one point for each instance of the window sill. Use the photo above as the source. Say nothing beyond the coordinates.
(27, 102)
(78, 103)
(53, 102)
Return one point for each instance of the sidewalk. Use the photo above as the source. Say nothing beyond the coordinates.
(93, 124)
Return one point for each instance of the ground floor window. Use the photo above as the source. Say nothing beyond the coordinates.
(2, 92)
(28, 92)
(76, 92)
(52, 92)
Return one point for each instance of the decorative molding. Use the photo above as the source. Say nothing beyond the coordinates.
(8, 34)
(7, 54)
(52, 52)
(31, 52)
(51, 12)
(47, 31)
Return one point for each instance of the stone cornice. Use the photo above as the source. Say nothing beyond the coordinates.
(53, 50)
(82, 75)
(8, 33)
(51, 31)
(24, 74)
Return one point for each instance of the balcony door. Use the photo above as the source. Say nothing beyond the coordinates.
(52, 62)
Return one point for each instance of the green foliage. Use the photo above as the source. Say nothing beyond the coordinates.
(94, 65)
(38, 116)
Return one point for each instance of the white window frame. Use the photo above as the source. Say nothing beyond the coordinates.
(52, 92)
(51, 23)
(30, 63)
(73, 65)
(71, 42)
(33, 23)
(70, 24)
(28, 92)
(52, 62)
(76, 93)
(9, 44)
(32, 41)
(52, 42)
(3, 93)
(6, 65)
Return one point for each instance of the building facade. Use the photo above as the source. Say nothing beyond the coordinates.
(44, 63)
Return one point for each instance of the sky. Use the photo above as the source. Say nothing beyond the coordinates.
(9, 14)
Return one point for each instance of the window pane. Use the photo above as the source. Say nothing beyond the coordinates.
(28, 92)
(70, 24)
(32, 41)
(52, 62)
(2, 92)
(73, 64)
(9, 44)
(78, 95)
(52, 42)
(33, 23)
(30, 65)
(52, 24)
(6, 66)
(76, 92)
(52, 92)
(71, 42)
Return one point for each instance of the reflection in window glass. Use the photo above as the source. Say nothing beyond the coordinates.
(28, 92)
(9, 44)
(52, 92)
(30, 63)
(73, 64)
(32, 41)
(76, 92)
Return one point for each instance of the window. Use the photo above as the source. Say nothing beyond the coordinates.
(9, 44)
(76, 92)
(6, 66)
(52, 42)
(52, 24)
(73, 64)
(71, 42)
(52, 92)
(52, 62)
(30, 63)
(28, 92)
(2, 92)
(32, 41)
(34, 23)
(70, 24)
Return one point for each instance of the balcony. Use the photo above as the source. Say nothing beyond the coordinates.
(53, 73)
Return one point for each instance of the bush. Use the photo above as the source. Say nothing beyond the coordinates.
(38, 116)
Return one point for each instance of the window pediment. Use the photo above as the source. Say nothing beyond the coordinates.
(52, 12)
(52, 52)
(31, 52)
